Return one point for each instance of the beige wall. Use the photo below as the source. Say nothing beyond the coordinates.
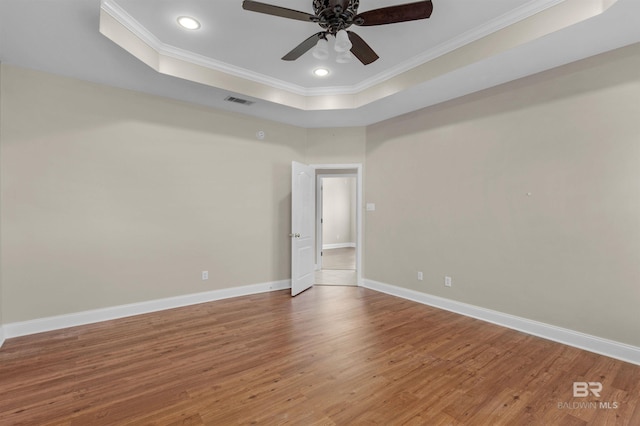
(336, 146)
(450, 185)
(112, 197)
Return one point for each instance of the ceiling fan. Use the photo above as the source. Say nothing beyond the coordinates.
(335, 16)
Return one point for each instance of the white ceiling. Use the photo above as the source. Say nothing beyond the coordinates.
(256, 42)
(62, 37)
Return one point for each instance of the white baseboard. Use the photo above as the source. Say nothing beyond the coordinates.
(584, 341)
(40, 325)
(337, 245)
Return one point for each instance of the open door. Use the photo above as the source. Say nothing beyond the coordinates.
(302, 227)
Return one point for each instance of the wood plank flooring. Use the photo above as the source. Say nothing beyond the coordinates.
(330, 356)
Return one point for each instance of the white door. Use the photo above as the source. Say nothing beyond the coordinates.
(302, 227)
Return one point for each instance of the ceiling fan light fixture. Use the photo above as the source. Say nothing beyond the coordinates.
(343, 44)
(321, 51)
(321, 72)
(188, 23)
(334, 16)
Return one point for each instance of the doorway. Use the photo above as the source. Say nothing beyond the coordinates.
(338, 223)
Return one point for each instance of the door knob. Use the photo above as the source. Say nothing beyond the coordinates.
(295, 235)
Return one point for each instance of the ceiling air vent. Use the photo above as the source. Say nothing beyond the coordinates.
(238, 100)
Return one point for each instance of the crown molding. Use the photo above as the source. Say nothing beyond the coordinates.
(490, 27)
(521, 25)
(130, 23)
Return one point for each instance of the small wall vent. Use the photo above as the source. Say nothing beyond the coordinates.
(238, 100)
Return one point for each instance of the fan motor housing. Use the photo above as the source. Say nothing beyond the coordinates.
(334, 19)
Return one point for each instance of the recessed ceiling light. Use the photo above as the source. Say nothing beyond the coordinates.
(188, 23)
(321, 72)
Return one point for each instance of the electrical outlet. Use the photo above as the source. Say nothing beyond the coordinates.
(447, 281)
(205, 275)
(420, 276)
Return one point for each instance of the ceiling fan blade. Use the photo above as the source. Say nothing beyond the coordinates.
(283, 12)
(304, 47)
(361, 49)
(393, 14)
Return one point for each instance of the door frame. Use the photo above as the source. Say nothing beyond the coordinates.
(340, 170)
(320, 209)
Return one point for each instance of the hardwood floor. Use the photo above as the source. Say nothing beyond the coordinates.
(330, 356)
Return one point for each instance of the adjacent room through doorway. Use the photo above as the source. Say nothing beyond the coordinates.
(338, 229)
